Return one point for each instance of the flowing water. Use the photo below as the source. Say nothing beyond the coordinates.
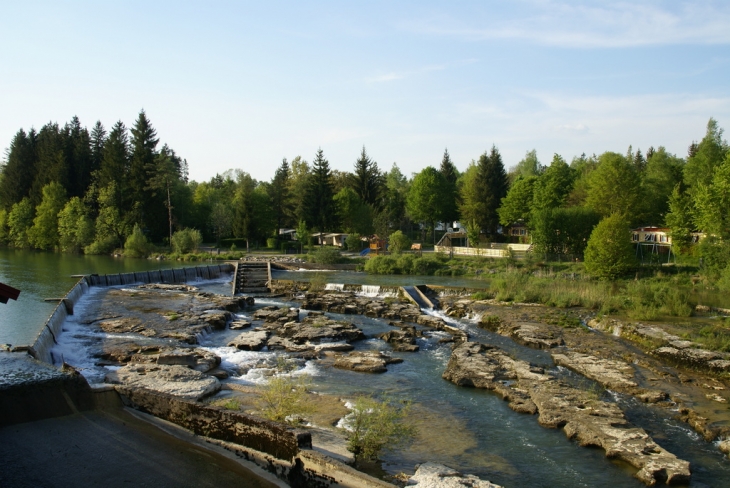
(468, 429)
(471, 430)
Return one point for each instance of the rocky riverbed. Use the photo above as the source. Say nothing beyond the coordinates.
(149, 336)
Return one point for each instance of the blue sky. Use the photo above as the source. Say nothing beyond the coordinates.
(245, 84)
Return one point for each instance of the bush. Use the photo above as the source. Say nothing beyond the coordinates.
(272, 243)
(374, 427)
(398, 242)
(327, 255)
(284, 399)
(610, 253)
(354, 242)
(136, 245)
(186, 241)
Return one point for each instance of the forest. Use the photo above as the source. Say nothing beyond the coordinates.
(72, 189)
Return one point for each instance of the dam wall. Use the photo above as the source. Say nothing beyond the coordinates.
(41, 347)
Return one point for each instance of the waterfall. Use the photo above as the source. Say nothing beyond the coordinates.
(370, 290)
(334, 286)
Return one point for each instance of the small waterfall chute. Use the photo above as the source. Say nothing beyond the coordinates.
(370, 290)
(334, 287)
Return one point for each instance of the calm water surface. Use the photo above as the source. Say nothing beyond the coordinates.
(40, 275)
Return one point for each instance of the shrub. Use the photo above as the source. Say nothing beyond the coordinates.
(136, 245)
(327, 255)
(186, 241)
(284, 399)
(374, 427)
(398, 242)
(610, 253)
(272, 243)
(353, 242)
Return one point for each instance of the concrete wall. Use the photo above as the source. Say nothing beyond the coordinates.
(41, 347)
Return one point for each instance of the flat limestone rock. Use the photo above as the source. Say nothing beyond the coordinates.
(365, 361)
(616, 375)
(174, 380)
(315, 329)
(590, 421)
(432, 475)
(254, 340)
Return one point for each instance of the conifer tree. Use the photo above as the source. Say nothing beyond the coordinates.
(280, 197)
(19, 171)
(366, 180)
(142, 160)
(492, 189)
(450, 212)
(320, 211)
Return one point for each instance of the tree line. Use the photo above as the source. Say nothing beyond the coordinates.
(68, 188)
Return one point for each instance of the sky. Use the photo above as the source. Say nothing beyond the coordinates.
(242, 85)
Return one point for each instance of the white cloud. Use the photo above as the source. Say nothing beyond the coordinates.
(603, 24)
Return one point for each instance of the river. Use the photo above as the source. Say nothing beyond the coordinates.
(471, 430)
(39, 275)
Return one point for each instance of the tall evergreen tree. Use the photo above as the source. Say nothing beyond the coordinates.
(320, 211)
(280, 197)
(80, 158)
(19, 170)
(98, 138)
(492, 189)
(450, 212)
(115, 164)
(298, 182)
(52, 164)
(367, 181)
(162, 177)
(143, 153)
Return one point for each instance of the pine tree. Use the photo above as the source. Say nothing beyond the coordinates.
(492, 189)
(98, 139)
(143, 153)
(115, 164)
(320, 211)
(367, 181)
(450, 211)
(19, 171)
(52, 164)
(280, 197)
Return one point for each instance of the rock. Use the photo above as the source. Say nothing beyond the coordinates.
(725, 446)
(616, 375)
(316, 329)
(173, 380)
(403, 340)
(239, 324)
(432, 475)
(216, 320)
(197, 359)
(365, 361)
(254, 340)
(702, 358)
(589, 421)
(274, 314)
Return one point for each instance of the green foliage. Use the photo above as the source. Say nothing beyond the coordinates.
(186, 240)
(4, 230)
(20, 220)
(136, 245)
(516, 205)
(354, 242)
(610, 253)
(554, 185)
(319, 208)
(374, 427)
(491, 188)
(680, 219)
(304, 236)
(614, 187)
(44, 232)
(398, 242)
(714, 254)
(355, 214)
(562, 230)
(284, 399)
(327, 255)
(705, 157)
(75, 228)
(426, 197)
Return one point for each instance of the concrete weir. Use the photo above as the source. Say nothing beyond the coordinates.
(46, 410)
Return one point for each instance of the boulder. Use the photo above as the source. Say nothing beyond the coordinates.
(316, 328)
(274, 314)
(239, 324)
(432, 475)
(365, 361)
(174, 380)
(254, 340)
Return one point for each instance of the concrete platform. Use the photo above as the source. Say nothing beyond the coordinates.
(114, 447)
